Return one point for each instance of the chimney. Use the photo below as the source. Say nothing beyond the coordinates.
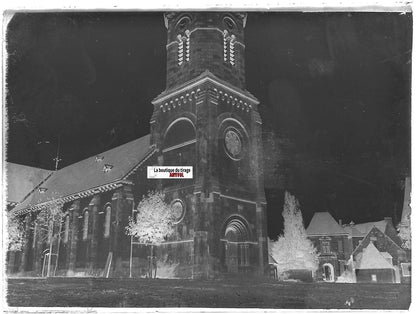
(340, 222)
(388, 219)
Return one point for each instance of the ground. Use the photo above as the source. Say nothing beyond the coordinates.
(100, 292)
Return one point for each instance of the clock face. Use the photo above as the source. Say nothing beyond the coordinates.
(232, 143)
(177, 210)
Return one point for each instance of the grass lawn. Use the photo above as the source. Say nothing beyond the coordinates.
(100, 292)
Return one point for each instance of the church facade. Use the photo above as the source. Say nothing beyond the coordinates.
(205, 118)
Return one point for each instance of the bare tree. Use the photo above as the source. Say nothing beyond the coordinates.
(152, 224)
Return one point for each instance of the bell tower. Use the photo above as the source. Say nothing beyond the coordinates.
(206, 118)
(205, 41)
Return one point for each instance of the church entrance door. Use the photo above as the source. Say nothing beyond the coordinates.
(231, 251)
(236, 234)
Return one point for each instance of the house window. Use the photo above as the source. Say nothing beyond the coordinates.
(107, 222)
(374, 278)
(406, 269)
(66, 234)
(340, 246)
(325, 247)
(85, 227)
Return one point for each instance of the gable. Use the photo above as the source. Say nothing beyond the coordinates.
(364, 228)
(371, 258)
(90, 173)
(323, 223)
(381, 241)
(22, 180)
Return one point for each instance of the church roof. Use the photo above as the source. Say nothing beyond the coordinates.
(22, 180)
(371, 258)
(323, 223)
(90, 173)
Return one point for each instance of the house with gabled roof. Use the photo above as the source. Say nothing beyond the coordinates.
(392, 252)
(332, 243)
(339, 244)
(373, 266)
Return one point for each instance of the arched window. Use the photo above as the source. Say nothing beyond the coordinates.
(179, 133)
(50, 231)
(183, 23)
(66, 234)
(107, 221)
(85, 227)
(183, 39)
(229, 23)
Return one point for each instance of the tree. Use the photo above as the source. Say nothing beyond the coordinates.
(46, 222)
(405, 232)
(293, 250)
(153, 223)
(15, 233)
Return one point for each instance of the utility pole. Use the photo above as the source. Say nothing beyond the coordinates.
(51, 223)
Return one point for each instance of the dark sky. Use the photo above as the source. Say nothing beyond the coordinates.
(334, 91)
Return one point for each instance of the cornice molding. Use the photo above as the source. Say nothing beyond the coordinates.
(206, 76)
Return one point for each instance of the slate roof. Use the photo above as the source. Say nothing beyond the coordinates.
(21, 180)
(323, 223)
(353, 232)
(88, 173)
(372, 259)
(365, 228)
(369, 234)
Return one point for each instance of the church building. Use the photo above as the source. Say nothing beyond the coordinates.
(205, 118)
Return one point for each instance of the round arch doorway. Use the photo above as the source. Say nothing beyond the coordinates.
(236, 247)
(328, 272)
